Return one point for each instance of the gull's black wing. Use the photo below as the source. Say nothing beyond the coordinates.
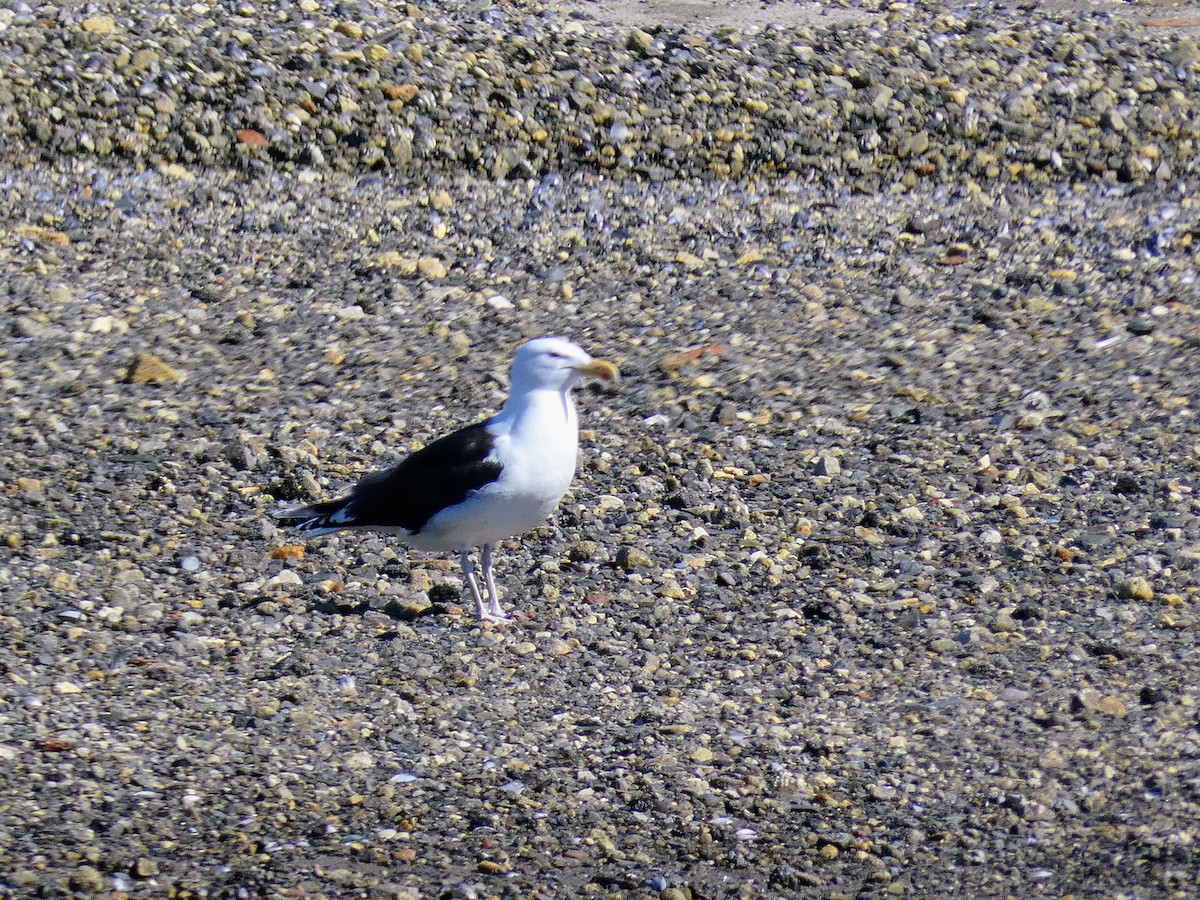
(411, 492)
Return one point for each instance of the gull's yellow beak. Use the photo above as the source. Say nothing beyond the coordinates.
(600, 369)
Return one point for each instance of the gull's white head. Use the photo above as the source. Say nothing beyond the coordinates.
(556, 364)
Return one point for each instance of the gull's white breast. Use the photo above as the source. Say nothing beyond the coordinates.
(537, 446)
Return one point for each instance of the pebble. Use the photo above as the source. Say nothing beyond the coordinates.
(147, 368)
(87, 879)
(283, 580)
(99, 24)
(431, 267)
(876, 119)
(629, 558)
(1092, 699)
(144, 867)
(1135, 589)
(827, 465)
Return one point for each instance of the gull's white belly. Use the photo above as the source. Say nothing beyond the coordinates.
(488, 515)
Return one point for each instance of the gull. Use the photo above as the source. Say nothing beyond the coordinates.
(483, 483)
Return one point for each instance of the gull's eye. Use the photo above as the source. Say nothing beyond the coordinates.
(554, 354)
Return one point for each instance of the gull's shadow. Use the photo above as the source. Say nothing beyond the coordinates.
(393, 609)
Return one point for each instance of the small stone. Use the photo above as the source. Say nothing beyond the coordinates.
(629, 558)
(421, 580)
(145, 867)
(673, 362)
(359, 761)
(48, 236)
(582, 551)
(701, 755)
(431, 267)
(1135, 589)
(147, 368)
(107, 325)
(671, 590)
(1141, 325)
(66, 687)
(725, 414)
(143, 59)
(402, 92)
(828, 465)
(285, 579)
(63, 582)
(99, 24)
(1092, 699)
(1004, 624)
(88, 879)
(977, 634)
(252, 138)
(639, 40)
(1127, 485)
(524, 648)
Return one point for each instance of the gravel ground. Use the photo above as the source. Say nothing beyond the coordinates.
(881, 573)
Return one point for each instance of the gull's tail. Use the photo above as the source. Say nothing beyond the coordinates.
(318, 518)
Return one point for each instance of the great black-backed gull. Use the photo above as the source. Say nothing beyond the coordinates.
(482, 483)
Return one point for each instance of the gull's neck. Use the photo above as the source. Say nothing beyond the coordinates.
(538, 407)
